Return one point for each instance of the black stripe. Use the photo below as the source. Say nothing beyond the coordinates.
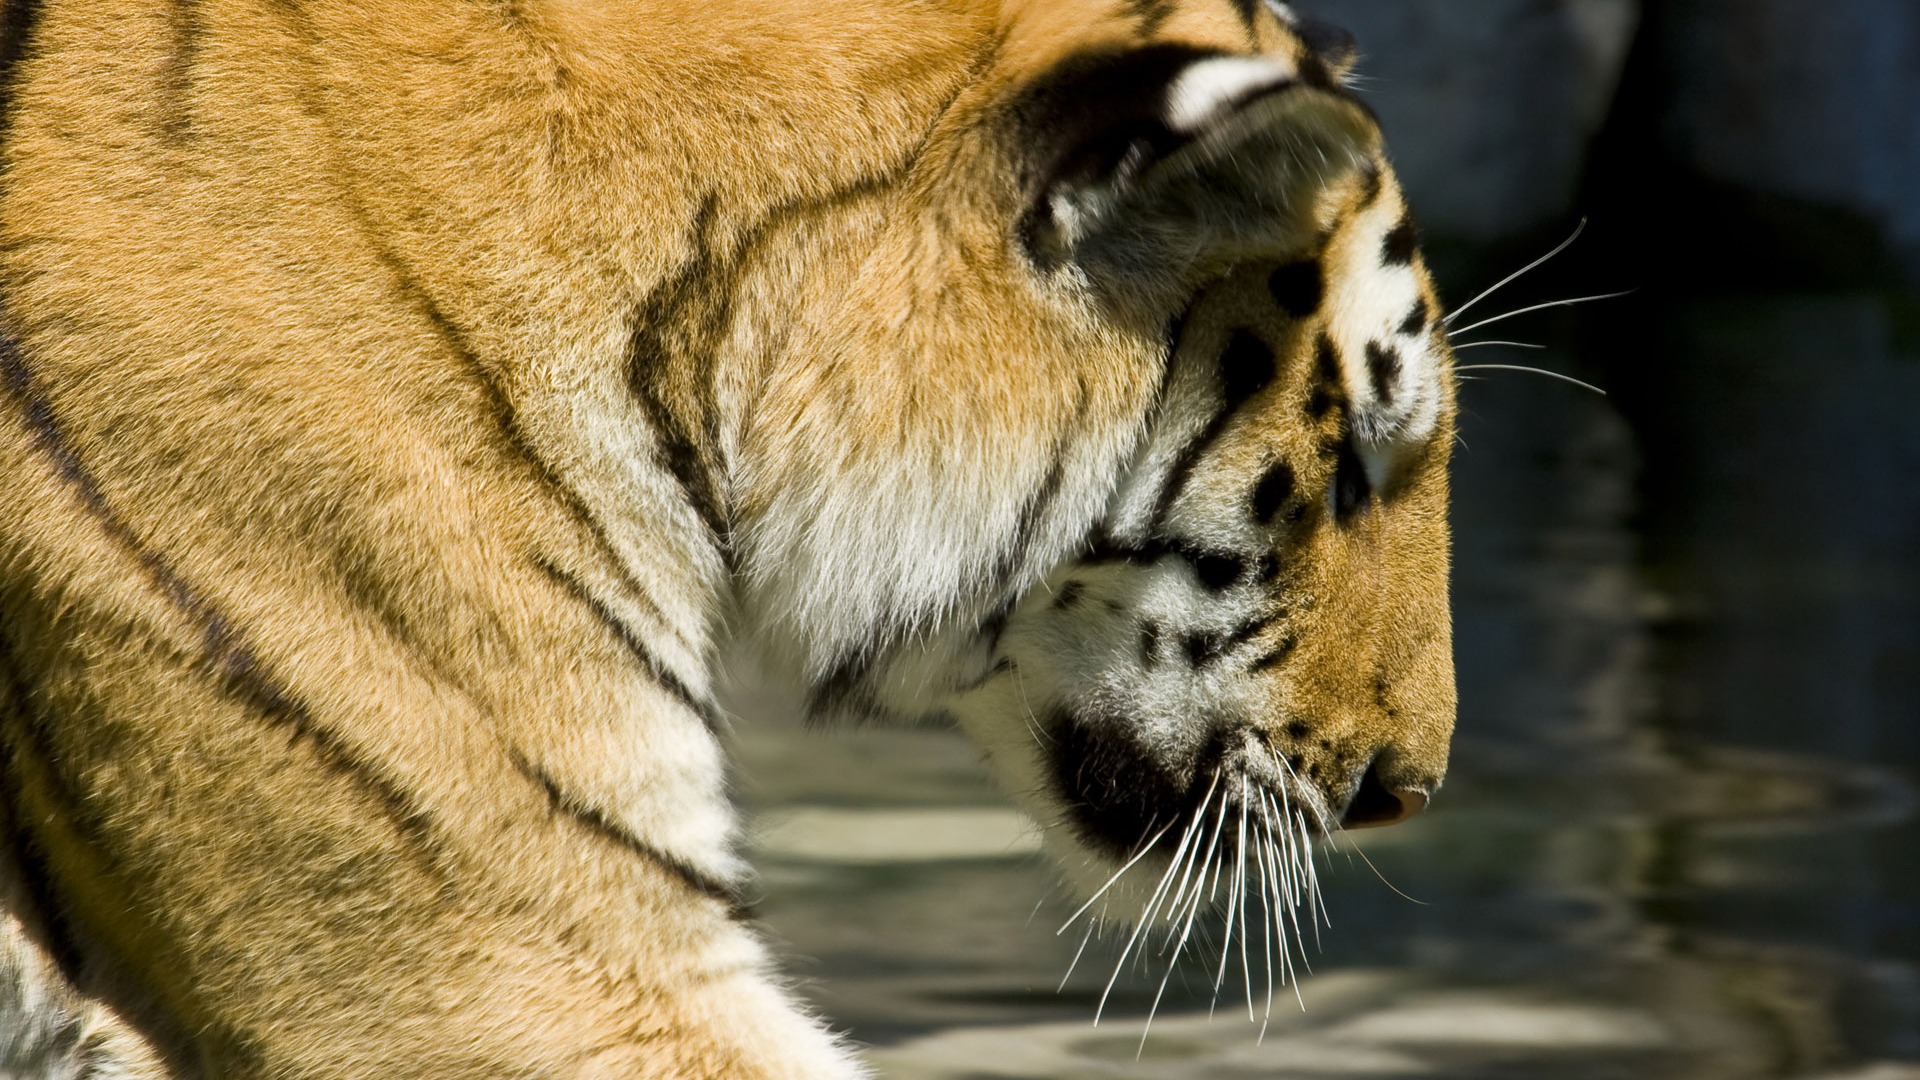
(19, 19)
(28, 855)
(1417, 319)
(593, 820)
(505, 415)
(50, 921)
(681, 318)
(1401, 243)
(1246, 368)
(843, 687)
(1383, 368)
(1276, 655)
(1203, 649)
(1272, 492)
(1215, 570)
(1152, 15)
(1327, 382)
(1248, 11)
(678, 327)
(1372, 183)
(225, 655)
(176, 83)
(661, 674)
(1039, 504)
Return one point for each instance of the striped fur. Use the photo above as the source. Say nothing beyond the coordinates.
(412, 412)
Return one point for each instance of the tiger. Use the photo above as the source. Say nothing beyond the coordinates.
(412, 413)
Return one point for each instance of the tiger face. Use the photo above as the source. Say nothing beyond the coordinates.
(1213, 577)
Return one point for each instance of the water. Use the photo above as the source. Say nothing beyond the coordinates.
(1679, 838)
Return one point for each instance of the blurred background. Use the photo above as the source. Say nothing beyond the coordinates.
(1679, 839)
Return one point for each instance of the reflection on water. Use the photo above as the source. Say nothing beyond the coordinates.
(1678, 840)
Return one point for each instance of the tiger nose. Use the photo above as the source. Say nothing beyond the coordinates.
(1376, 804)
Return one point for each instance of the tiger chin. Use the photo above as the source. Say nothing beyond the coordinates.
(406, 410)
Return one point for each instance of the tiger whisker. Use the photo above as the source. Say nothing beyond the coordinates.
(1141, 925)
(1292, 886)
(1313, 877)
(1145, 921)
(1457, 346)
(1532, 370)
(1220, 828)
(1542, 307)
(1240, 894)
(1518, 274)
(1077, 953)
(1266, 917)
(1173, 963)
(1141, 854)
(1356, 849)
(1194, 860)
(1305, 882)
(1233, 895)
(1288, 977)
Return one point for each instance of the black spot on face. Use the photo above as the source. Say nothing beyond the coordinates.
(1150, 644)
(1217, 572)
(1401, 244)
(1298, 288)
(1298, 730)
(1272, 492)
(1201, 649)
(1383, 367)
(1269, 569)
(1326, 359)
(1246, 368)
(1417, 320)
(1205, 648)
(1069, 594)
(1351, 490)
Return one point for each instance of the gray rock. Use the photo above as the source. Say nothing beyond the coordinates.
(1814, 99)
(1489, 105)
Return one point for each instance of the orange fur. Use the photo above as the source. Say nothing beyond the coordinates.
(345, 540)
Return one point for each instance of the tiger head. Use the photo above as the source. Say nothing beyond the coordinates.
(1160, 516)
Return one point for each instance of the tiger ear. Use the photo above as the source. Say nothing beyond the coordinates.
(1160, 159)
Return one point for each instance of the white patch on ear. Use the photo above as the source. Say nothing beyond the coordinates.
(1208, 89)
(1284, 11)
